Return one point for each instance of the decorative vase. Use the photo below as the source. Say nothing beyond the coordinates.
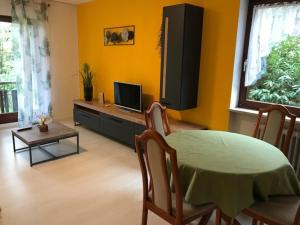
(88, 93)
(43, 127)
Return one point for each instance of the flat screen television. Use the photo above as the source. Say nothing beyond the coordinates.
(128, 96)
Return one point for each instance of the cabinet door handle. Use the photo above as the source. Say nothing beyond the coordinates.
(164, 78)
(116, 120)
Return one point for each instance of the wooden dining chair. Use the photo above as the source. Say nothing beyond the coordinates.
(152, 153)
(276, 211)
(157, 119)
(272, 130)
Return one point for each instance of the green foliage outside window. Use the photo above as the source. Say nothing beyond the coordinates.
(6, 54)
(281, 81)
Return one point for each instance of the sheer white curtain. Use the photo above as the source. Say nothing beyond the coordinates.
(271, 24)
(32, 57)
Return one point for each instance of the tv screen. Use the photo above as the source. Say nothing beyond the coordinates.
(128, 96)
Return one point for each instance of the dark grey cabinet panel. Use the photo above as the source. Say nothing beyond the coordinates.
(180, 56)
(108, 125)
(139, 129)
(88, 119)
(117, 128)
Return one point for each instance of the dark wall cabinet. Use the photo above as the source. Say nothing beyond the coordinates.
(180, 56)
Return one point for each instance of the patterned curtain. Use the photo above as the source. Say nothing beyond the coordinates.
(32, 56)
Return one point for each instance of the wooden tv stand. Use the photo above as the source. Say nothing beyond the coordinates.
(116, 123)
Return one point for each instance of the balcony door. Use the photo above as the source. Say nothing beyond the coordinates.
(8, 92)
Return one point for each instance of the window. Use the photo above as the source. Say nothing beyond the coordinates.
(8, 93)
(271, 72)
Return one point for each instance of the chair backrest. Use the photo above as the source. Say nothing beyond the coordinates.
(271, 131)
(158, 161)
(157, 119)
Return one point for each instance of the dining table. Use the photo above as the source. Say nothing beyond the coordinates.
(231, 170)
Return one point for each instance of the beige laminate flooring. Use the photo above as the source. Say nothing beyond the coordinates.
(100, 186)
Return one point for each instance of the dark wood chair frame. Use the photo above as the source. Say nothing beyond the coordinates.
(263, 220)
(148, 201)
(284, 113)
(150, 123)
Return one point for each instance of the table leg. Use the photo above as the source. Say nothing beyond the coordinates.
(14, 144)
(77, 143)
(30, 156)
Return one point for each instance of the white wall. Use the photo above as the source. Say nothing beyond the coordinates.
(5, 7)
(64, 58)
(239, 121)
(242, 122)
(64, 55)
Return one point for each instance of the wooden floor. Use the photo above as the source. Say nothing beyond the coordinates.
(100, 186)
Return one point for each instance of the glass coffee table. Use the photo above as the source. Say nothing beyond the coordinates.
(33, 139)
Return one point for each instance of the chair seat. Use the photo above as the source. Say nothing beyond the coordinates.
(281, 210)
(188, 210)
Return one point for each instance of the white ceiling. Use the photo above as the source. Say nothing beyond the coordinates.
(75, 2)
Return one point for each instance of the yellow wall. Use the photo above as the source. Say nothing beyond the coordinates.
(141, 63)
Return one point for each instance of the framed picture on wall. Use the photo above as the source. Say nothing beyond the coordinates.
(119, 35)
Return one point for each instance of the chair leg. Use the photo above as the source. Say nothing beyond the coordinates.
(204, 220)
(254, 222)
(144, 216)
(229, 220)
(218, 217)
(236, 222)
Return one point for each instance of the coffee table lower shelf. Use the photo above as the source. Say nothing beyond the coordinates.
(40, 146)
(43, 143)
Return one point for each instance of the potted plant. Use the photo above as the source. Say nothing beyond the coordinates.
(87, 79)
(43, 127)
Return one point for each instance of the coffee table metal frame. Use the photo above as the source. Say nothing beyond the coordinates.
(42, 143)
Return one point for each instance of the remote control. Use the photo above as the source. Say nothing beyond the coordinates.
(24, 128)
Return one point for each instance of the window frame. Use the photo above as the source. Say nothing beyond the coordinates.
(242, 101)
(7, 117)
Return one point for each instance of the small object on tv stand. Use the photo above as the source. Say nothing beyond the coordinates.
(101, 98)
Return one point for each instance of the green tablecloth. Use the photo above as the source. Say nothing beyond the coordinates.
(231, 170)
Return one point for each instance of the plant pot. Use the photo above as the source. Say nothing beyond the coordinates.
(88, 93)
(43, 127)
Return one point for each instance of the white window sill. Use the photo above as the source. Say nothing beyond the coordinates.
(243, 111)
(252, 112)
